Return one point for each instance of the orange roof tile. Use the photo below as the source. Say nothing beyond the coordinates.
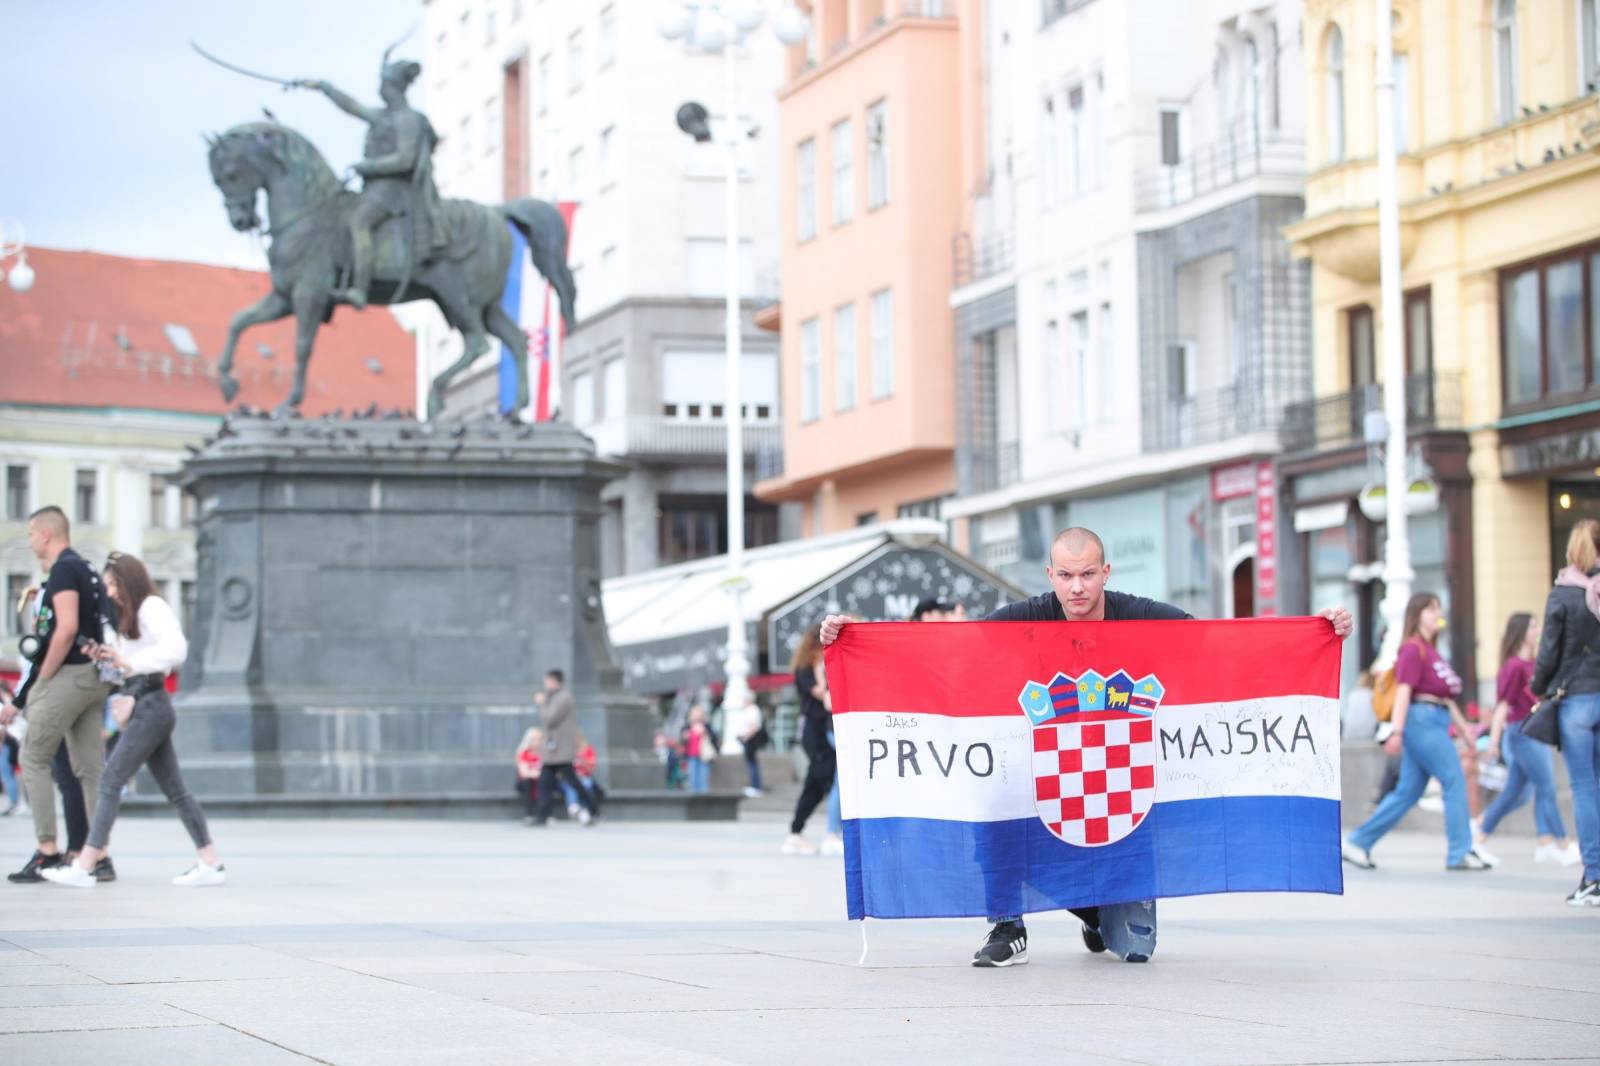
(92, 333)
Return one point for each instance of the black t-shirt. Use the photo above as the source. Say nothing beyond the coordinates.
(813, 714)
(1120, 607)
(70, 573)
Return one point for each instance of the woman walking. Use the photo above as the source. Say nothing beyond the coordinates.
(1532, 769)
(1569, 660)
(816, 723)
(147, 646)
(1424, 708)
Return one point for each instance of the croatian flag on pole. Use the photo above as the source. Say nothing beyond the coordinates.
(996, 768)
(527, 298)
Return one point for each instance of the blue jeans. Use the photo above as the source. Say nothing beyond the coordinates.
(8, 775)
(1531, 769)
(1428, 752)
(835, 821)
(699, 775)
(1580, 746)
(1126, 928)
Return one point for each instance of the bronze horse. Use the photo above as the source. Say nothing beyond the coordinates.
(307, 207)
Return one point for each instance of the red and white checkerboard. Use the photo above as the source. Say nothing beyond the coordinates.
(1094, 781)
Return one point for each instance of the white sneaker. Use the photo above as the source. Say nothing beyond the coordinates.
(584, 817)
(753, 793)
(833, 844)
(1551, 853)
(1360, 858)
(202, 876)
(1571, 856)
(1431, 804)
(72, 875)
(798, 845)
(1486, 855)
(572, 810)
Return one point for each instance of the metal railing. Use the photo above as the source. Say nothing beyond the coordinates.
(1213, 415)
(1217, 166)
(1433, 401)
(661, 436)
(769, 460)
(976, 258)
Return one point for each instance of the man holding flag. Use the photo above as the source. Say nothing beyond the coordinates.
(1078, 572)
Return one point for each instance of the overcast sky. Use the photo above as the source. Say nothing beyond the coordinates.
(102, 107)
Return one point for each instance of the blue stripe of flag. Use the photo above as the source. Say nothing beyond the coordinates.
(511, 304)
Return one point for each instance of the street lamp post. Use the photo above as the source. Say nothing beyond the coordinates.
(12, 243)
(716, 27)
(1397, 572)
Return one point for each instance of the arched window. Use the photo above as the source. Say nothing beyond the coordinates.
(1333, 93)
(1505, 60)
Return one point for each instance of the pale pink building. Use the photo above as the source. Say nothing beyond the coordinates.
(879, 128)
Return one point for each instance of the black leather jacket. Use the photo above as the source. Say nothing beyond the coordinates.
(1568, 629)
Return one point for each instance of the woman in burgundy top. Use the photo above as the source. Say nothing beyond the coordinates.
(1530, 761)
(1426, 690)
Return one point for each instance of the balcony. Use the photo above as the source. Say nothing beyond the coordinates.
(1215, 167)
(677, 438)
(990, 468)
(1433, 401)
(977, 258)
(1214, 415)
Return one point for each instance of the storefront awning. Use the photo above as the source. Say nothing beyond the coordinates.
(669, 626)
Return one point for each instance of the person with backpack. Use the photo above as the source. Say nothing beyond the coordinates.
(1568, 667)
(1532, 768)
(1418, 696)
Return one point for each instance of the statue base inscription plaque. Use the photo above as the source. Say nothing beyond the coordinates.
(378, 601)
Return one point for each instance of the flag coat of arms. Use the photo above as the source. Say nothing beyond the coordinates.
(990, 768)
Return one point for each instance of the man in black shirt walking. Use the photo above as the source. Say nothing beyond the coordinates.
(64, 695)
(1078, 572)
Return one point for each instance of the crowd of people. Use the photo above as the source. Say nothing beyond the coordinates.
(1431, 738)
(101, 646)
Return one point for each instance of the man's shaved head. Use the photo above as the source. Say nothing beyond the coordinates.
(1077, 540)
(51, 520)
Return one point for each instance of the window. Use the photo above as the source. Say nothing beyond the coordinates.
(1056, 370)
(185, 510)
(614, 396)
(866, 518)
(1419, 333)
(575, 174)
(186, 599)
(608, 137)
(844, 357)
(1359, 340)
(491, 126)
(1108, 356)
(1505, 60)
(16, 585)
(1333, 93)
(465, 36)
(158, 502)
(544, 83)
(606, 43)
(882, 344)
(1171, 142)
(930, 508)
(583, 399)
(464, 140)
(1588, 47)
(1078, 368)
(844, 203)
(1075, 141)
(806, 189)
(1402, 103)
(1181, 371)
(488, 26)
(574, 62)
(810, 370)
(85, 497)
(1097, 132)
(18, 494)
(877, 155)
(1050, 171)
(1520, 336)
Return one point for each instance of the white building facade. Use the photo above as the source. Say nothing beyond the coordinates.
(574, 100)
(1129, 325)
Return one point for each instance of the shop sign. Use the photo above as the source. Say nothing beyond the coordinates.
(1232, 482)
(1266, 488)
(1565, 451)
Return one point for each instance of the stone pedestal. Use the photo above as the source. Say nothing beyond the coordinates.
(378, 601)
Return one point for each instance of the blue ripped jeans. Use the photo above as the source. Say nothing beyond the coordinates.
(1128, 929)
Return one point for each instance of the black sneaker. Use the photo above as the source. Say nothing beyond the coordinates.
(1092, 939)
(103, 870)
(1587, 894)
(1007, 945)
(30, 874)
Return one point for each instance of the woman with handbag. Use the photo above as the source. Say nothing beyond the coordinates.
(1424, 709)
(1532, 769)
(1570, 651)
(148, 645)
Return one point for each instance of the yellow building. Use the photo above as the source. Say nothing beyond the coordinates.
(1497, 125)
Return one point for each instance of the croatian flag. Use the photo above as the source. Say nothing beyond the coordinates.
(996, 768)
(527, 298)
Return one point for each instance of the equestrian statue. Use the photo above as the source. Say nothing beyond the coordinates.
(393, 240)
